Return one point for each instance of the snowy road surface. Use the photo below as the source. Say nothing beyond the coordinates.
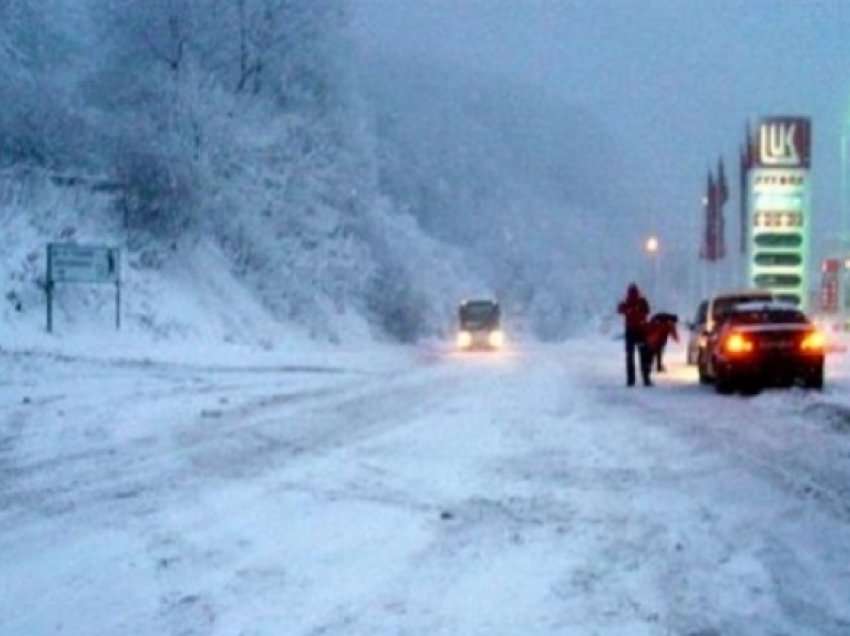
(418, 494)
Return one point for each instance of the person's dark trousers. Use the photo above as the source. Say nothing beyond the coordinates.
(645, 363)
(634, 344)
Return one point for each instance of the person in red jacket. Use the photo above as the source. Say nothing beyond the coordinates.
(635, 311)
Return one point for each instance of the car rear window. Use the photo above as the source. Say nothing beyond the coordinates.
(767, 316)
(723, 306)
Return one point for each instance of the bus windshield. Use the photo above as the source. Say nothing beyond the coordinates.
(479, 314)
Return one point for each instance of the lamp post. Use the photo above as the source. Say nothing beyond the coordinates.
(844, 240)
(652, 247)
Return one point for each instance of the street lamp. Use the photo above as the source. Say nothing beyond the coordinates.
(652, 247)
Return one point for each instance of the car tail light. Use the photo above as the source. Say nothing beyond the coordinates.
(737, 344)
(813, 342)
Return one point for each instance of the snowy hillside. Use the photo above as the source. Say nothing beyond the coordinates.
(267, 174)
(179, 291)
(240, 181)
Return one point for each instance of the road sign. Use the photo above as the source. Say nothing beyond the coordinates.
(73, 263)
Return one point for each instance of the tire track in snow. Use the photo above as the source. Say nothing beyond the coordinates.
(237, 442)
(801, 479)
(775, 442)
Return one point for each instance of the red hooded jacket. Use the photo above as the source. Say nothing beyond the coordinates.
(635, 310)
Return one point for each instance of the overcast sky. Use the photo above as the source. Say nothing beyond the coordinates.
(674, 80)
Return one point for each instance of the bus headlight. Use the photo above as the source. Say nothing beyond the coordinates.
(496, 339)
(464, 339)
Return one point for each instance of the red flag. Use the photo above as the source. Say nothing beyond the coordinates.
(720, 200)
(720, 234)
(708, 251)
(722, 188)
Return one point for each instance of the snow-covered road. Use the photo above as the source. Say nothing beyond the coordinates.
(417, 493)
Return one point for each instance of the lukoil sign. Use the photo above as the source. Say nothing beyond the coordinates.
(783, 142)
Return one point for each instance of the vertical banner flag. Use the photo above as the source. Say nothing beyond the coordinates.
(714, 237)
(708, 251)
(720, 200)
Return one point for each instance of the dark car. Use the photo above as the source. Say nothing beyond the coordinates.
(479, 325)
(758, 344)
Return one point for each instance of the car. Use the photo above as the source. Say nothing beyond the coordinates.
(756, 344)
(711, 310)
(479, 325)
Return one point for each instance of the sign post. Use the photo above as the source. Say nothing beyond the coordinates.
(73, 263)
(49, 290)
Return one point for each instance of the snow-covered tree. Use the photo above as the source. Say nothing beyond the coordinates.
(39, 52)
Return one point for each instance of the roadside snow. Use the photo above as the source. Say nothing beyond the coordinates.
(416, 492)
